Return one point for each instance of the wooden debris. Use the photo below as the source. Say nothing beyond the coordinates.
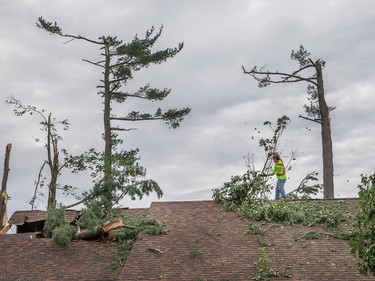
(5, 229)
(100, 231)
(155, 250)
(113, 224)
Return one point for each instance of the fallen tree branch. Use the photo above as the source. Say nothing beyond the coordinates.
(99, 231)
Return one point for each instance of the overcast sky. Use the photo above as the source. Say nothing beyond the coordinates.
(219, 37)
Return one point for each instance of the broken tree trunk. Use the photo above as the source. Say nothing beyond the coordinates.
(87, 234)
(99, 231)
(327, 151)
(4, 195)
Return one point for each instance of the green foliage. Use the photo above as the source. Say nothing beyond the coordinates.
(247, 189)
(315, 78)
(363, 244)
(345, 235)
(262, 267)
(263, 210)
(255, 229)
(123, 249)
(117, 173)
(21, 109)
(302, 56)
(269, 145)
(138, 54)
(264, 272)
(312, 110)
(48, 125)
(98, 256)
(196, 255)
(308, 236)
(128, 178)
(134, 224)
(55, 219)
(64, 235)
(48, 26)
(58, 228)
(328, 214)
(241, 192)
(143, 224)
(95, 213)
(242, 195)
(172, 117)
(304, 190)
(130, 57)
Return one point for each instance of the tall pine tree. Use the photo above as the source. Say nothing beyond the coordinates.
(121, 174)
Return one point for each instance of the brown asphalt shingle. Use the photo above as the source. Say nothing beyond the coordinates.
(204, 243)
(24, 258)
(20, 217)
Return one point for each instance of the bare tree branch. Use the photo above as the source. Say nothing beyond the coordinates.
(122, 129)
(284, 77)
(37, 185)
(95, 63)
(310, 119)
(75, 204)
(132, 119)
(79, 37)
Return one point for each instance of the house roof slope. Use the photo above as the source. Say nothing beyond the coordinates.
(207, 243)
(204, 242)
(24, 257)
(20, 217)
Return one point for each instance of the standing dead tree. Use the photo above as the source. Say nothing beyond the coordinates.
(318, 110)
(4, 195)
(48, 124)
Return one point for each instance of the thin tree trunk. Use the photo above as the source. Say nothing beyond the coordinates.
(107, 110)
(53, 163)
(54, 175)
(107, 193)
(3, 195)
(327, 152)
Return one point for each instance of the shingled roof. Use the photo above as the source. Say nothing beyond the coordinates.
(24, 257)
(207, 243)
(21, 217)
(204, 243)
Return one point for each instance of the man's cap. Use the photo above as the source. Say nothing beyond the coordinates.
(275, 155)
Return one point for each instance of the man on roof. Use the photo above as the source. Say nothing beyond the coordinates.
(279, 171)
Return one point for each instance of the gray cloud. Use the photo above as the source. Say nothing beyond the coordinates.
(219, 37)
